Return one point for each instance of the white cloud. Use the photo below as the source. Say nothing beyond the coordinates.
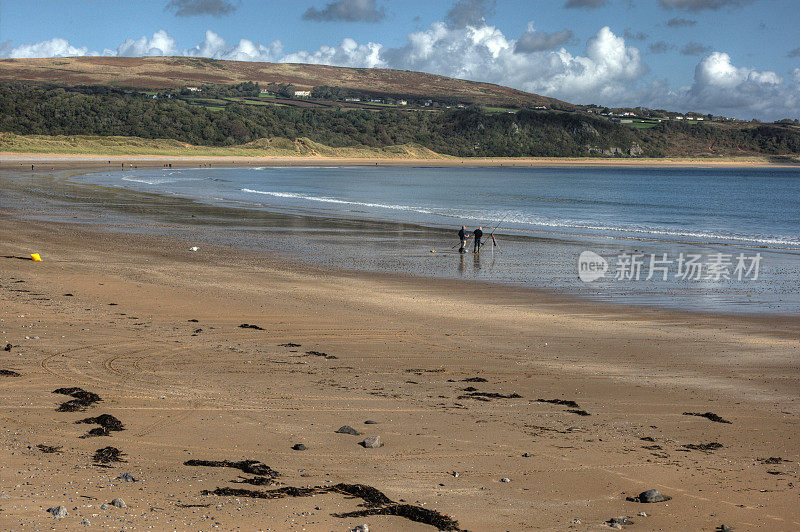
(348, 53)
(160, 44)
(215, 47)
(56, 47)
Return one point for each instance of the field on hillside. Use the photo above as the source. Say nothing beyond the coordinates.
(178, 72)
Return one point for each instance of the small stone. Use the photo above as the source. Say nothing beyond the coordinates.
(505, 479)
(649, 496)
(642, 514)
(104, 506)
(527, 455)
(347, 429)
(299, 447)
(361, 528)
(58, 511)
(370, 422)
(119, 503)
(619, 522)
(127, 477)
(372, 442)
(455, 474)
(576, 521)
(85, 522)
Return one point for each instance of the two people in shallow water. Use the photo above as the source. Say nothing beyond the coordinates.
(463, 236)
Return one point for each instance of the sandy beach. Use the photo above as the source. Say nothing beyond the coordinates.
(498, 408)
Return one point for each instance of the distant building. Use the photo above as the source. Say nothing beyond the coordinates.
(302, 94)
(352, 99)
(402, 102)
(264, 91)
(194, 89)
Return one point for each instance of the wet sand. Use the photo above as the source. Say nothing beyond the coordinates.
(452, 373)
(51, 161)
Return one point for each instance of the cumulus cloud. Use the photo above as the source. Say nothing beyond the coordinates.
(470, 13)
(720, 86)
(484, 53)
(678, 22)
(192, 8)
(536, 41)
(700, 5)
(584, 4)
(660, 47)
(348, 53)
(160, 44)
(215, 47)
(695, 48)
(56, 47)
(347, 11)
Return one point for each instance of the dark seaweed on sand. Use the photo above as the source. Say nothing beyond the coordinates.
(289, 344)
(253, 467)
(248, 326)
(711, 416)
(375, 502)
(9, 373)
(562, 402)
(107, 455)
(107, 421)
(83, 399)
(579, 412)
(705, 447)
(49, 448)
(484, 396)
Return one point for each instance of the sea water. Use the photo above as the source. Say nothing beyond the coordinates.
(739, 228)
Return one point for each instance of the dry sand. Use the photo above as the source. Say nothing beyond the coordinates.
(114, 315)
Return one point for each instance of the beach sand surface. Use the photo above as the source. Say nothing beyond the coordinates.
(154, 330)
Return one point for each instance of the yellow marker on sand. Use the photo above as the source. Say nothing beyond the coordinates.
(36, 257)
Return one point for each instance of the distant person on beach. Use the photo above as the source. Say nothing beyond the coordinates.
(463, 236)
(478, 234)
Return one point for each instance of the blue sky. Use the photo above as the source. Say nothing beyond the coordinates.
(732, 57)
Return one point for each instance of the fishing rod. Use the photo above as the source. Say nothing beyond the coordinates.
(494, 242)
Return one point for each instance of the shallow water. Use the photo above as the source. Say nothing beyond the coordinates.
(404, 220)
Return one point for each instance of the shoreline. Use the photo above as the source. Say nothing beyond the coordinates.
(286, 254)
(11, 161)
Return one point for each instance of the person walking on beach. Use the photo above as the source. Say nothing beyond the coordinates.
(463, 236)
(478, 234)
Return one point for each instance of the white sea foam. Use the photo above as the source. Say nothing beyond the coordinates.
(528, 220)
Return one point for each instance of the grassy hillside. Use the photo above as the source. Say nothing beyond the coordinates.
(178, 72)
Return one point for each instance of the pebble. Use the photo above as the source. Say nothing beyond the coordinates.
(119, 503)
(85, 522)
(505, 479)
(58, 511)
(642, 514)
(652, 495)
(104, 506)
(127, 477)
(619, 522)
(372, 442)
(527, 455)
(299, 447)
(361, 528)
(370, 422)
(347, 429)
